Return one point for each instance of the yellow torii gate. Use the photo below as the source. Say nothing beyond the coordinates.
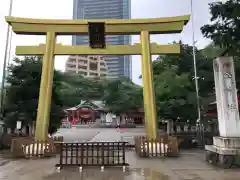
(51, 28)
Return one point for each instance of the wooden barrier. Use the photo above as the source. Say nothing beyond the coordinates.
(92, 154)
(17, 146)
(28, 147)
(6, 139)
(193, 139)
(39, 149)
(173, 147)
(160, 147)
(57, 140)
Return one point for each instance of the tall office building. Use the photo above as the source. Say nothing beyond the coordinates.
(106, 9)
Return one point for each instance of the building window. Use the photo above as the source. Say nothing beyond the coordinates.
(82, 61)
(93, 74)
(82, 67)
(71, 71)
(93, 66)
(72, 60)
(71, 66)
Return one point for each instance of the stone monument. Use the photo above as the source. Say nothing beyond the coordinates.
(225, 150)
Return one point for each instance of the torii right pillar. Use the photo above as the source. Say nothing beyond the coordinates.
(225, 151)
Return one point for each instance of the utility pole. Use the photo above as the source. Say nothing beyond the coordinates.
(195, 66)
(10, 47)
(5, 61)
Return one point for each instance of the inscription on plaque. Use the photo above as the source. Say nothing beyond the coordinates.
(228, 83)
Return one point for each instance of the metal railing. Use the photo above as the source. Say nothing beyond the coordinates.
(92, 154)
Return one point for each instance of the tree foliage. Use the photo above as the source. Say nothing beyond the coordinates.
(76, 88)
(22, 94)
(171, 91)
(224, 29)
(175, 84)
(122, 96)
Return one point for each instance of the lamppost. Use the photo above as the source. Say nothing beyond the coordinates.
(195, 66)
(5, 61)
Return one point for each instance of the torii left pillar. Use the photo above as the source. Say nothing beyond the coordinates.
(148, 89)
(225, 150)
(45, 94)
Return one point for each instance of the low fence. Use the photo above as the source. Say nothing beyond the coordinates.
(194, 139)
(160, 147)
(6, 139)
(92, 154)
(28, 147)
(39, 149)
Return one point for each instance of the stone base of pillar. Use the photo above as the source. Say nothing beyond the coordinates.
(225, 152)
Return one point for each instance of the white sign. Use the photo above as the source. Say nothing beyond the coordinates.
(19, 124)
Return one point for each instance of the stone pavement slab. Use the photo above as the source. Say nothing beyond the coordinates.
(118, 135)
(182, 168)
(186, 167)
(189, 166)
(77, 135)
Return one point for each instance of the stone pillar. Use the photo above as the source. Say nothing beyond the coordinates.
(30, 130)
(73, 118)
(33, 128)
(78, 116)
(226, 96)
(124, 118)
(16, 131)
(102, 118)
(24, 130)
(226, 148)
(179, 128)
(169, 126)
(9, 131)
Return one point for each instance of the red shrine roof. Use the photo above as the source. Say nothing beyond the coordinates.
(96, 105)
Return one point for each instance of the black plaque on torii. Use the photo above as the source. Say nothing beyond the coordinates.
(96, 33)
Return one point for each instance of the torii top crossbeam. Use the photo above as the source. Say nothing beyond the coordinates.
(30, 26)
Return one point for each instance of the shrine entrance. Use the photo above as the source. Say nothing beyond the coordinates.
(97, 29)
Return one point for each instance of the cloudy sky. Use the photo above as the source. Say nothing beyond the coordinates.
(62, 9)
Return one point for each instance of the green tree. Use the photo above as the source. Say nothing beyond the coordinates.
(212, 51)
(22, 94)
(175, 85)
(173, 96)
(224, 29)
(76, 88)
(122, 96)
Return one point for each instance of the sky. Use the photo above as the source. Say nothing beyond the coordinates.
(62, 9)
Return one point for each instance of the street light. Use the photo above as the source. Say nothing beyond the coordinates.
(202, 78)
(5, 61)
(195, 65)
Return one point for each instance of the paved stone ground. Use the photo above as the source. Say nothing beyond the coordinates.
(189, 166)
